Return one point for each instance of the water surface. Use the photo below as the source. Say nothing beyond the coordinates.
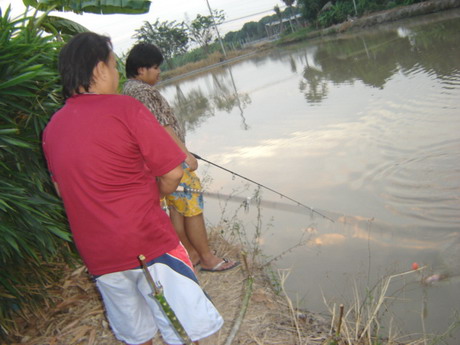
(363, 127)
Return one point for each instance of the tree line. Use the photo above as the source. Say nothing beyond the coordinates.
(190, 41)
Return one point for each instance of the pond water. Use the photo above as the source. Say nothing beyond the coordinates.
(363, 127)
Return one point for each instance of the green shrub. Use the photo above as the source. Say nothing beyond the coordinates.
(339, 13)
(342, 9)
(33, 229)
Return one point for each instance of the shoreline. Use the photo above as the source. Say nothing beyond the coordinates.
(382, 17)
(371, 20)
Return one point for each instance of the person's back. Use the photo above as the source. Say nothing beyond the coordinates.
(111, 161)
(94, 147)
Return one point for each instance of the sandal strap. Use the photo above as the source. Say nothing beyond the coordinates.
(223, 262)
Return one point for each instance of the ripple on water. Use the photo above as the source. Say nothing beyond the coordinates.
(424, 184)
(413, 161)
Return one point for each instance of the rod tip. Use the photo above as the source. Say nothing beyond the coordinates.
(141, 257)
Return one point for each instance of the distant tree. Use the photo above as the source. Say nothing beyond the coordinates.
(232, 36)
(289, 4)
(201, 28)
(280, 17)
(170, 37)
(311, 8)
(251, 30)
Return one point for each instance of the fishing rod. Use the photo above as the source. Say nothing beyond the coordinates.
(261, 185)
(246, 201)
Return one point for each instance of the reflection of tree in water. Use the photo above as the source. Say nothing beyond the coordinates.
(195, 107)
(225, 95)
(192, 109)
(314, 86)
(375, 58)
(438, 48)
(293, 64)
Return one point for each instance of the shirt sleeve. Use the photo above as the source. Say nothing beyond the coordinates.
(161, 109)
(160, 152)
(154, 101)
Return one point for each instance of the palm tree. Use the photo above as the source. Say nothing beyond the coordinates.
(278, 13)
(289, 4)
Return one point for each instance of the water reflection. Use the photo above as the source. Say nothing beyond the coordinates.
(193, 108)
(196, 106)
(374, 59)
(365, 126)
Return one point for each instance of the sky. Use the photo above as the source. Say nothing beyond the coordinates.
(121, 28)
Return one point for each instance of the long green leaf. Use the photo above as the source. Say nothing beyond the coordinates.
(19, 93)
(62, 234)
(4, 206)
(62, 25)
(12, 242)
(94, 6)
(16, 142)
(8, 130)
(19, 79)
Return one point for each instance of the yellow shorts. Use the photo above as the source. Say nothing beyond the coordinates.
(186, 203)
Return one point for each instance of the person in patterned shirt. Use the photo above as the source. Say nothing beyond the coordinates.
(186, 209)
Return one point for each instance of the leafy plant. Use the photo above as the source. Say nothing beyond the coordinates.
(91, 6)
(33, 228)
(170, 37)
(201, 28)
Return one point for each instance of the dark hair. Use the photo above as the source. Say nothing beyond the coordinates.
(142, 55)
(78, 58)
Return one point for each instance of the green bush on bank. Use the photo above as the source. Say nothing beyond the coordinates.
(342, 10)
(33, 230)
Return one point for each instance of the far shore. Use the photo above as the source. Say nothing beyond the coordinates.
(352, 25)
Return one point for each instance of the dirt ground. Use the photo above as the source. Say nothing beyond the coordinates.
(75, 316)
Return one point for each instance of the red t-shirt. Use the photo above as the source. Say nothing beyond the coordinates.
(104, 152)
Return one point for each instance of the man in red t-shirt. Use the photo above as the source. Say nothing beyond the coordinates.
(111, 161)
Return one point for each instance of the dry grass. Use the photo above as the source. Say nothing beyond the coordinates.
(361, 323)
(75, 315)
(254, 313)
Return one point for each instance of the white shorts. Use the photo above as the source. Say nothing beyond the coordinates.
(135, 316)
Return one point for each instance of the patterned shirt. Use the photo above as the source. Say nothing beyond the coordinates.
(156, 103)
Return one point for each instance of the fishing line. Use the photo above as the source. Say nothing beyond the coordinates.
(246, 201)
(261, 185)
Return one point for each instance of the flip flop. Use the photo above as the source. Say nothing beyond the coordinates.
(218, 268)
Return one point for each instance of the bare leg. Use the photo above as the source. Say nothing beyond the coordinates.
(195, 229)
(178, 221)
(192, 234)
